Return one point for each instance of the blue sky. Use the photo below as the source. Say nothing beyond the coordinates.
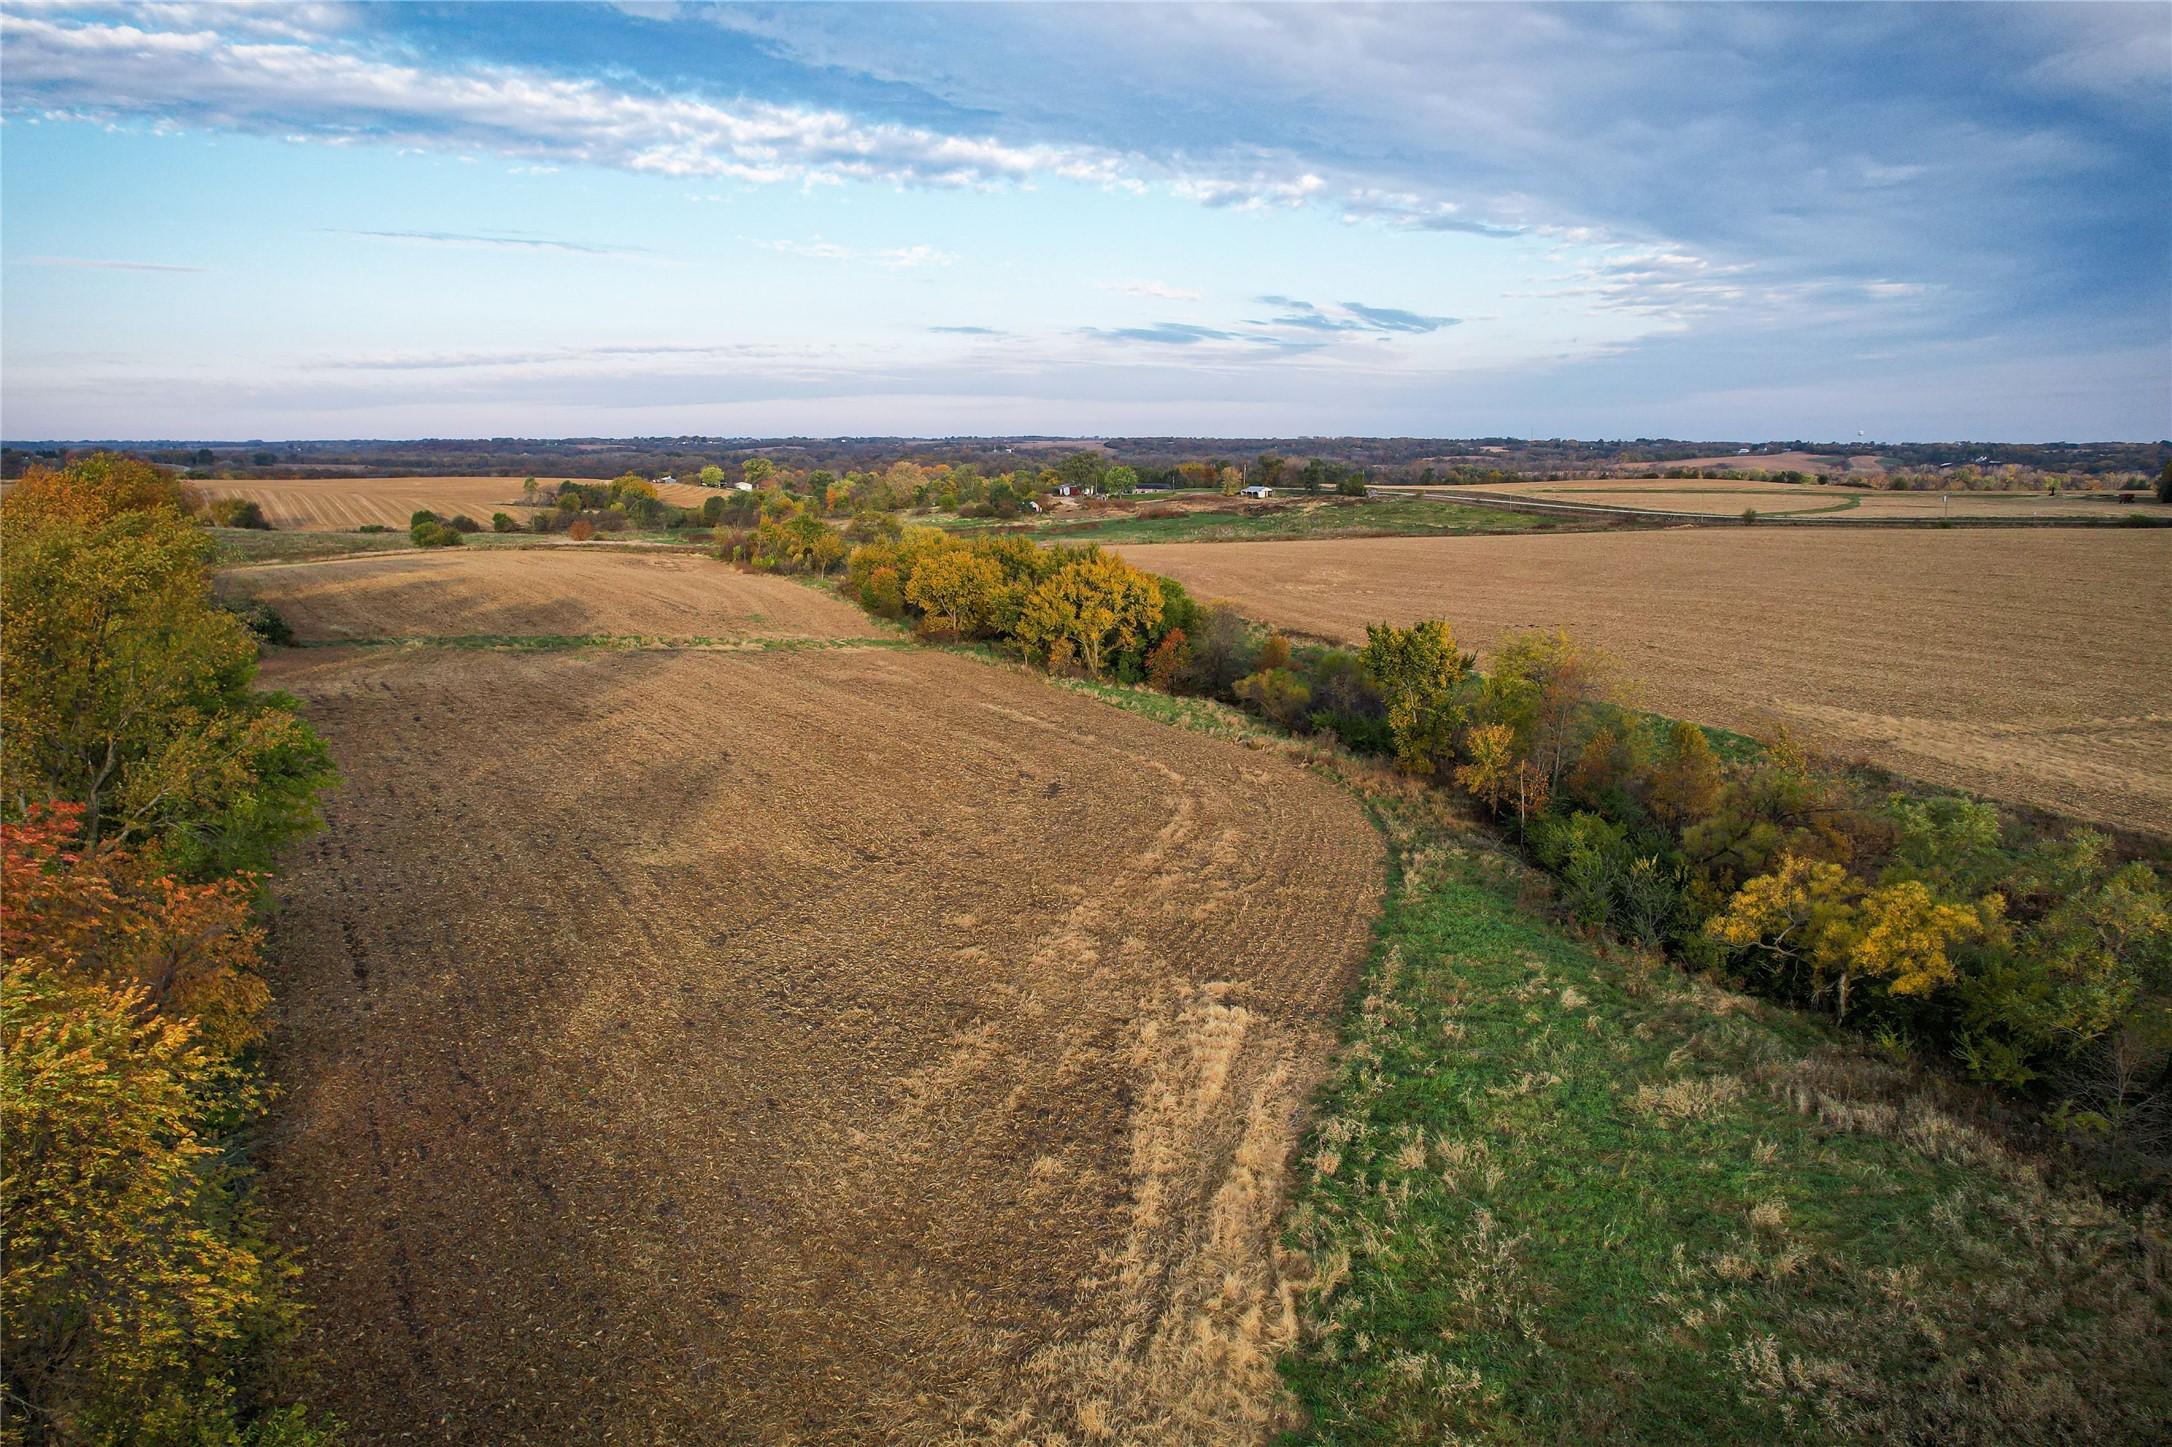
(1724, 221)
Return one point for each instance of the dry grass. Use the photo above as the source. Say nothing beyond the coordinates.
(540, 591)
(2024, 665)
(321, 504)
(816, 1047)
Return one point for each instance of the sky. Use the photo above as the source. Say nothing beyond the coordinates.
(1724, 221)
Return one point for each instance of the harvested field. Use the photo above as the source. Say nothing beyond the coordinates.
(1720, 497)
(2027, 666)
(819, 1047)
(541, 592)
(344, 503)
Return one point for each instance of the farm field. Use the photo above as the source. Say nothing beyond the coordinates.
(344, 503)
(1722, 498)
(532, 592)
(1200, 517)
(816, 1046)
(2027, 666)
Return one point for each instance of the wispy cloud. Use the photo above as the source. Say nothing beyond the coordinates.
(495, 242)
(1170, 334)
(276, 87)
(970, 331)
(1158, 289)
(1395, 319)
(895, 256)
(100, 264)
(1351, 316)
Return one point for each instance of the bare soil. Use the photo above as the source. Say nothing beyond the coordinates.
(540, 591)
(2028, 666)
(795, 1047)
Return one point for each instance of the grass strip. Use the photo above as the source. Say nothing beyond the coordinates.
(1556, 1193)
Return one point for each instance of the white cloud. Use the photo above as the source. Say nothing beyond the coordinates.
(97, 69)
(1159, 289)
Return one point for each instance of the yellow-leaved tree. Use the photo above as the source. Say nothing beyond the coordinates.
(1094, 606)
(1817, 916)
(959, 587)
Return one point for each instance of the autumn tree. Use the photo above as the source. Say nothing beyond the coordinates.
(1541, 684)
(129, 689)
(1817, 916)
(1095, 606)
(758, 470)
(1499, 776)
(958, 586)
(1685, 784)
(1417, 672)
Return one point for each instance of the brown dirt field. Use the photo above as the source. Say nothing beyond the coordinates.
(322, 504)
(836, 1047)
(1722, 498)
(2028, 666)
(540, 591)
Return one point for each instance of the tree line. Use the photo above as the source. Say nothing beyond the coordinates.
(2037, 960)
(145, 790)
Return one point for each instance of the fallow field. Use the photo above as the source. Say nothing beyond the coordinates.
(1722, 497)
(833, 1045)
(538, 592)
(323, 504)
(2024, 665)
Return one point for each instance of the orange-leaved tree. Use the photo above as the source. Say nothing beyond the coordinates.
(125, 1285)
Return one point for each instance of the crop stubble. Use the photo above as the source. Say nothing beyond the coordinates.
(765, 1047)
(322, 504)
(2028, 666)
(560, 590)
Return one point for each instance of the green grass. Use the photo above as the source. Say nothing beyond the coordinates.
(1557, 1196)
(1326, 518)
(1556, 1193)
(241, 547)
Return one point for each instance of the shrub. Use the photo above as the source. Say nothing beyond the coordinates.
(503, 522)
(461, 522)
(263, 620)
(582, 530)
(420, 516)
(239, 512)
(1221, 651)
(434, 535)
(1749, 517)
(373, 528)
(882, 595)
(1167, 660)
(1277, 693)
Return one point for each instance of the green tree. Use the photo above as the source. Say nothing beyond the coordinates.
(1084, 469)
(712, 476)
(2164, 483)
(129, 692)
(1417, 671)
(1121, 481)
(758, 470)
